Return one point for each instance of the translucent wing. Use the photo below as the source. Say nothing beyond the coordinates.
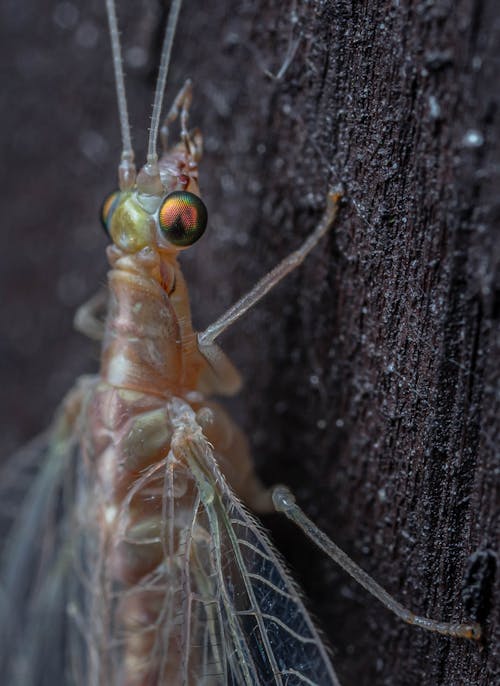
(256, 630)
(217, 608)
(34, 567)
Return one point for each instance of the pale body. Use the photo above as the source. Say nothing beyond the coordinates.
(150, 427)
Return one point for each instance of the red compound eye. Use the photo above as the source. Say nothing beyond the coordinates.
(183, 218)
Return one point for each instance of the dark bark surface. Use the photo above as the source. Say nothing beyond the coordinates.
(372, 373)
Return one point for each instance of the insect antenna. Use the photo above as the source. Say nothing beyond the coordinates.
(126, 170)
(166, 51)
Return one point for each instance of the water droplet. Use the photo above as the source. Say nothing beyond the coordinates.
(87, 35)
(434, 107)
(65, 15)
(473, 139)
(382, 495)
(93, 146)
(136, 57)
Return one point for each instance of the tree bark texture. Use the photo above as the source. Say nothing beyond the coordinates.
(372, 372)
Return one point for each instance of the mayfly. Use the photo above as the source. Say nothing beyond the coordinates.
(137, 562)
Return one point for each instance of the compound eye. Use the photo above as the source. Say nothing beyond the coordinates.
(183, 218)
(107, 209)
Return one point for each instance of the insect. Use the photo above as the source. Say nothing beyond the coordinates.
(171, 535)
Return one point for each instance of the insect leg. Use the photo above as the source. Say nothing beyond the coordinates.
(233, 456)
(89, 317)
(272, 278)
(291, 49)
(180, 106)
(284, 501)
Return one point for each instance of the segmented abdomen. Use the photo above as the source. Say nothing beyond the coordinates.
(134, 509)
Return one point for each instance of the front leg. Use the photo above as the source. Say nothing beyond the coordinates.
(276, 275)
(89, 318)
